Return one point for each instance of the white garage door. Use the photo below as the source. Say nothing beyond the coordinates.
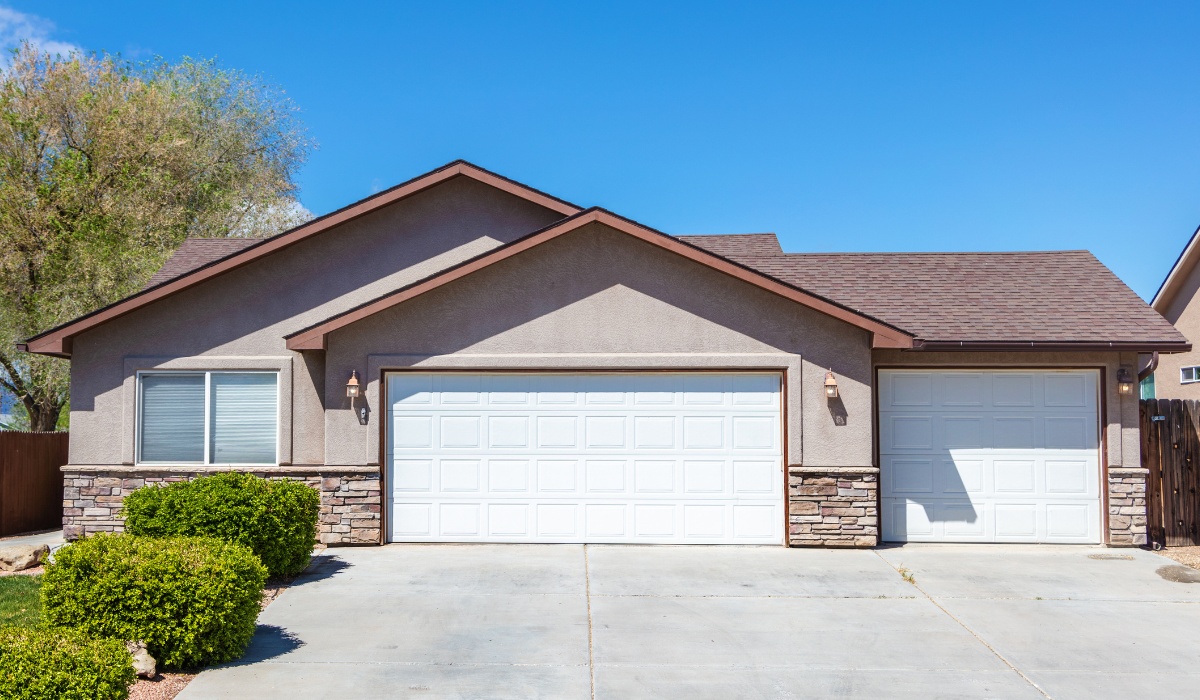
(989, 456)
(638, 457)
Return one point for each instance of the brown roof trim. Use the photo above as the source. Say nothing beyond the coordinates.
(883, 335)
(1045, 346)
(57, 341)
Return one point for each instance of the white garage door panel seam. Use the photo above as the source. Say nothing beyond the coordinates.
(596, 457)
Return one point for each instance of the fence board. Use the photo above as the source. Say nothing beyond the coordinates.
(1171, 452)
(31, 485)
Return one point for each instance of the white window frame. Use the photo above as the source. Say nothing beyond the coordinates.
(137, 427)
(1195, 375)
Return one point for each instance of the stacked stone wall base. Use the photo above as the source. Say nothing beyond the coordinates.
(833, 506)
(351, 504)
(1127, 506)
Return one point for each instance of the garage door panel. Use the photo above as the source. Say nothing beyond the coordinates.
(1027, 461)
(599, 458)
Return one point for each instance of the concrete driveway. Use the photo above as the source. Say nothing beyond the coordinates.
(567, 621)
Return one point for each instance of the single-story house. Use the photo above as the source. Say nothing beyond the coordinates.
(463, 358)
(1178, 376)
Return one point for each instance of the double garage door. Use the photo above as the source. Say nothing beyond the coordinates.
(989, 456)
(540, 457)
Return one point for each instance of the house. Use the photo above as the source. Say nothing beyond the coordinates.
(464, 358)
(1178, 376)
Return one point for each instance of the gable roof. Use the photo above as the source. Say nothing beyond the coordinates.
(195, 253)
(883, 334)
(1002, 301)
(1179, 272)
(1064, 300)
(57, 341)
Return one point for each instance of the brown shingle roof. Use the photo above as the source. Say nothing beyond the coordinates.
(729, 244)
(1044, 297)
(195, 253)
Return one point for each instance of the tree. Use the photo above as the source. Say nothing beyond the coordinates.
(106, 166)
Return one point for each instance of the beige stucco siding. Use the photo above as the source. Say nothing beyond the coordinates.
(241, 317)
(1183, 312)
(599, 299)
(1121, 412)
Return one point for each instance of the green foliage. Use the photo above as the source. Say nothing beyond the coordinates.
(275, 518)
(106, 166)
(20, 604)
(59, 664)
(192, 600)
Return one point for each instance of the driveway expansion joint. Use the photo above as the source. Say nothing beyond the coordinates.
(962, 624)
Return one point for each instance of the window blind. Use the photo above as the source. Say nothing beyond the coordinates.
(244, 414)
(172, 418)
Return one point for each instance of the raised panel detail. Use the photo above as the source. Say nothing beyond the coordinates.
(660, 457)
(993, 456)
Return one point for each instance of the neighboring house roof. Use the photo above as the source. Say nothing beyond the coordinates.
(57, 341)
(935, 301)
(1179, 272)
(883, 335)
(196, 253)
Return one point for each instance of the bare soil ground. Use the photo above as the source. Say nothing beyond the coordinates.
(1188, 556)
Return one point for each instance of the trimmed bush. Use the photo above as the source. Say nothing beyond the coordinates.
(275, 518)
(192, 600)
(38, 664)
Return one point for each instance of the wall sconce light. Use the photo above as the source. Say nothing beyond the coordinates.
(352, 386)
(831, 387)
(1124, 381)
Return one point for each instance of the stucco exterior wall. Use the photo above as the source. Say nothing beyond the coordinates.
(240, 318)
(599, 299)
(1183, 312)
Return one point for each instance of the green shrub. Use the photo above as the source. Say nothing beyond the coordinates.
(192, 600)
(39, 664)
(275, 518)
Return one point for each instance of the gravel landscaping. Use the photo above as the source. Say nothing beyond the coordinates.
(1188, 556)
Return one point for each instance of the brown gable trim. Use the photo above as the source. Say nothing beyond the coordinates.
(883, 335)
(57, 341)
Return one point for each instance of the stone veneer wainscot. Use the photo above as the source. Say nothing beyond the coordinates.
(350, 512)
(833, 506)
(1127, 506)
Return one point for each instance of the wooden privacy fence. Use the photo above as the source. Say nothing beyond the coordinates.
(1171, 451)
(31, 485)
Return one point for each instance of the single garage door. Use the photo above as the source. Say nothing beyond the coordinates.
(539, 457)
(989, 456)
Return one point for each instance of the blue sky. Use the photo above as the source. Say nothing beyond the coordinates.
(869, 126)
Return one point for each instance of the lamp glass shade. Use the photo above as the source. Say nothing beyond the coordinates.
(352, 386)
(1124, 381)
(831, 387)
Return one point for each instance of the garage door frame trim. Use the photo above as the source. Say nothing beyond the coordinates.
(1101, 418)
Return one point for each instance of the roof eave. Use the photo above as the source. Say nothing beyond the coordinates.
(1050, 346)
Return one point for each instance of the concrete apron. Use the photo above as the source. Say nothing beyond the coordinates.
(567, 621)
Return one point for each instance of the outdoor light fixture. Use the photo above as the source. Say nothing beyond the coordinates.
(352, 385)
(831, 390)
(1124, 381)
